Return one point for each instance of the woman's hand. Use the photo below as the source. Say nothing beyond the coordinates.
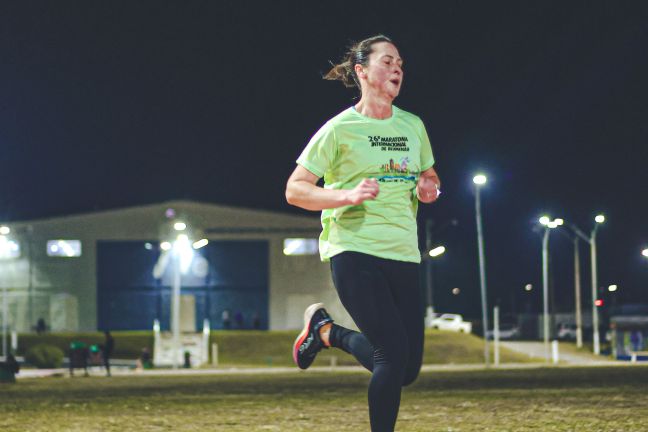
(427, 190)
(367, 189)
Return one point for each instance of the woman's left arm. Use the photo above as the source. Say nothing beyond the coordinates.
(428, 188)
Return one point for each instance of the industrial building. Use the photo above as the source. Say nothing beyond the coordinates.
(115, 269)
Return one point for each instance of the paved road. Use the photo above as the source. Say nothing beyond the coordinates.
(125, 371)
(566, 355)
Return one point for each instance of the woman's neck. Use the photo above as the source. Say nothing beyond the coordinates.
(377, 108)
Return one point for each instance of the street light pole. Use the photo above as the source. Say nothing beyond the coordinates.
(175, 309)
(4, 321)
(595, 317)
(480, 180)
(599, 219)
(549, 225)
(545, 292)
(577, 295)
(428, 270)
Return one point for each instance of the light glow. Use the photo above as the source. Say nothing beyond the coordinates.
(8, 248)
(599, 218)
(179, 226)
(645, 253)
(300, 246)
(4, 230)
(613, 288)
(200, 243)
(439, 250)
(165, 246)
(544, 220)
(480, 179)
(182, 247)
(528, 287)
(64, 248)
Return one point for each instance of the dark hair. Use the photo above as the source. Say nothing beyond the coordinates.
(358, 53)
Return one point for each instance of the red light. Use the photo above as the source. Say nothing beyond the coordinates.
(598, 302)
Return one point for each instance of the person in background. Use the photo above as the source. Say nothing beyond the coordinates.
(108, 348)
(41, 327)
(238, 317)
(225, 316)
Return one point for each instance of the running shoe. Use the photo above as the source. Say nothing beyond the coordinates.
(309, 343)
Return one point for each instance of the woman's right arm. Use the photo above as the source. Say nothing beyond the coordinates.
(302, 191)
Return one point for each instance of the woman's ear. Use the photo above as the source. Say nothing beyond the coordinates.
(359, 70)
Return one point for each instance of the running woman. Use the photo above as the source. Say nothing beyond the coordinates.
(376, 162)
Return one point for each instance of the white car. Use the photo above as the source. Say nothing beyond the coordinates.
(567, 331)
(451, 322)
(506, 332)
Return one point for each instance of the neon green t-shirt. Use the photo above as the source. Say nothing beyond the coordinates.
(394, 151)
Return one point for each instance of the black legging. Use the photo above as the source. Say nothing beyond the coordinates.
(383, 298)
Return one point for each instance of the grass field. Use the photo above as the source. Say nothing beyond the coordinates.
(543, 399)
(273, 348)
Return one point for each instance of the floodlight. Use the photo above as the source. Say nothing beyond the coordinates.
(437, 251)
(200, 243)
(479, 179)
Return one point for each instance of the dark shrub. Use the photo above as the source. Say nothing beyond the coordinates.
(44, 356)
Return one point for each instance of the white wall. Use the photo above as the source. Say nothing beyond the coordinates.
(294, 281)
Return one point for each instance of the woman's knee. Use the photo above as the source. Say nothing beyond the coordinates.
(396, 356)
(411, 373)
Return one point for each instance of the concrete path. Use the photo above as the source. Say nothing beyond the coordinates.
(566, 353)
(130, 372)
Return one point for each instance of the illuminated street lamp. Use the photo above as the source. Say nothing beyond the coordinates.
(591, 239)
(645, 252)
(599, 219)
(183, 252)
(549, 225)
(480, 180)
(433, 253)
(613, 288)
(437, 251)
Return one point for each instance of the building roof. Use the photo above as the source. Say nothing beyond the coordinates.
(208, 218)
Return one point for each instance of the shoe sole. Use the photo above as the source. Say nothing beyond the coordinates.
(308, 314)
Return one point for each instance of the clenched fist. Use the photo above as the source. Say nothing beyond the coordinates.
(427, 190)
(367, 189)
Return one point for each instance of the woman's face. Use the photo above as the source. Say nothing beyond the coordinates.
(384, 72)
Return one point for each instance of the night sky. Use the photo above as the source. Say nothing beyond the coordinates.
(114, 104)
